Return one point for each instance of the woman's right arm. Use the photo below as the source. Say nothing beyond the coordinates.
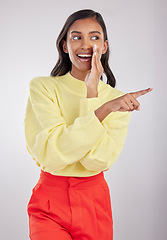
(124, 103)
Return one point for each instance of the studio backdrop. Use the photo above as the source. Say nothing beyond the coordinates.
(137, 40)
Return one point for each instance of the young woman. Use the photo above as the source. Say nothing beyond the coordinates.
(75, 128)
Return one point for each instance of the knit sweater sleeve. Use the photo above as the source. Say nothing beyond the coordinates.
(51, 142)
(108, 148)
(54, 144)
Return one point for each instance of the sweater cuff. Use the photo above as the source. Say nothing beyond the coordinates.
(88, 105)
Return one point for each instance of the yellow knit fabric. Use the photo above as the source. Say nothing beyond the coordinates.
(62, 132)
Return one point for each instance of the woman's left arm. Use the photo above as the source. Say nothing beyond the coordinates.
(107, 150)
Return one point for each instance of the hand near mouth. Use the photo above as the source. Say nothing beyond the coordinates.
(93, 76)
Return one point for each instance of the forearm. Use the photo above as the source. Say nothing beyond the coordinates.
(102, 112)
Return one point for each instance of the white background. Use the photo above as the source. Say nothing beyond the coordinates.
(138, 40)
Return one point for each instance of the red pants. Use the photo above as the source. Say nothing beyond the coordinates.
(66, 208)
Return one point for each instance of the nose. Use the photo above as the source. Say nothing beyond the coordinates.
(86, 44)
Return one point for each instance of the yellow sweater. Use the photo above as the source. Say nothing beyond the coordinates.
(62, 132)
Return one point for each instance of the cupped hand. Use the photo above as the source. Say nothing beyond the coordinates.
(127, 102)
(93, 76)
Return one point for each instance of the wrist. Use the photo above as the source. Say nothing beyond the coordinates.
(102, 112)
(107, 108)
(91, 93)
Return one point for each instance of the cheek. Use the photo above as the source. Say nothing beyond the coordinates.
(72, 46)
(71, 51)
(100, 47)
(72, 54)
(100, 50)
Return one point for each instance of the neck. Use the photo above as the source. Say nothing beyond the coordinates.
(80, 75)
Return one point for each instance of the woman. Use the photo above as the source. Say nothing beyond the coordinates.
(75, 128)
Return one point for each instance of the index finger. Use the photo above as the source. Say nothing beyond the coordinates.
(141, 92)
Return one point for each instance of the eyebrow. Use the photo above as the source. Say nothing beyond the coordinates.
(89, 32)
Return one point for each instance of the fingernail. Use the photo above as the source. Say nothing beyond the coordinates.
(95, 46)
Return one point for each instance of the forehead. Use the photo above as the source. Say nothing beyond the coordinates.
(85, 26)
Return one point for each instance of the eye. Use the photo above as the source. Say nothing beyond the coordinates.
(76, 38)
(95, 37)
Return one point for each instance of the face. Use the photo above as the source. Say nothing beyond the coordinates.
(81, 37)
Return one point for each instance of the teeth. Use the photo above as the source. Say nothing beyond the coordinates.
(84, 55)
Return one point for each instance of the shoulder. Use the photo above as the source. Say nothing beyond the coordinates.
(44, 83)
(45, 80)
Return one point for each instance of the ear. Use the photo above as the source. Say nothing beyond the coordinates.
(64, 46)
(105, 47)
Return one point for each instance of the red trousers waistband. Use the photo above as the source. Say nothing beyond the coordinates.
(66, 181)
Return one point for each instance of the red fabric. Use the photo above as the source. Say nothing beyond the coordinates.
(65, 208)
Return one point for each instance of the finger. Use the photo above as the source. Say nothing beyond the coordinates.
(94, 58)
(141, 92)
(124, 106)
(95, 54)
(98, 63)
(95, 66)
(134, 103)
(94, 50)
(129, 103)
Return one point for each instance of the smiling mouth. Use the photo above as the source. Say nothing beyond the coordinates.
(84, 57)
